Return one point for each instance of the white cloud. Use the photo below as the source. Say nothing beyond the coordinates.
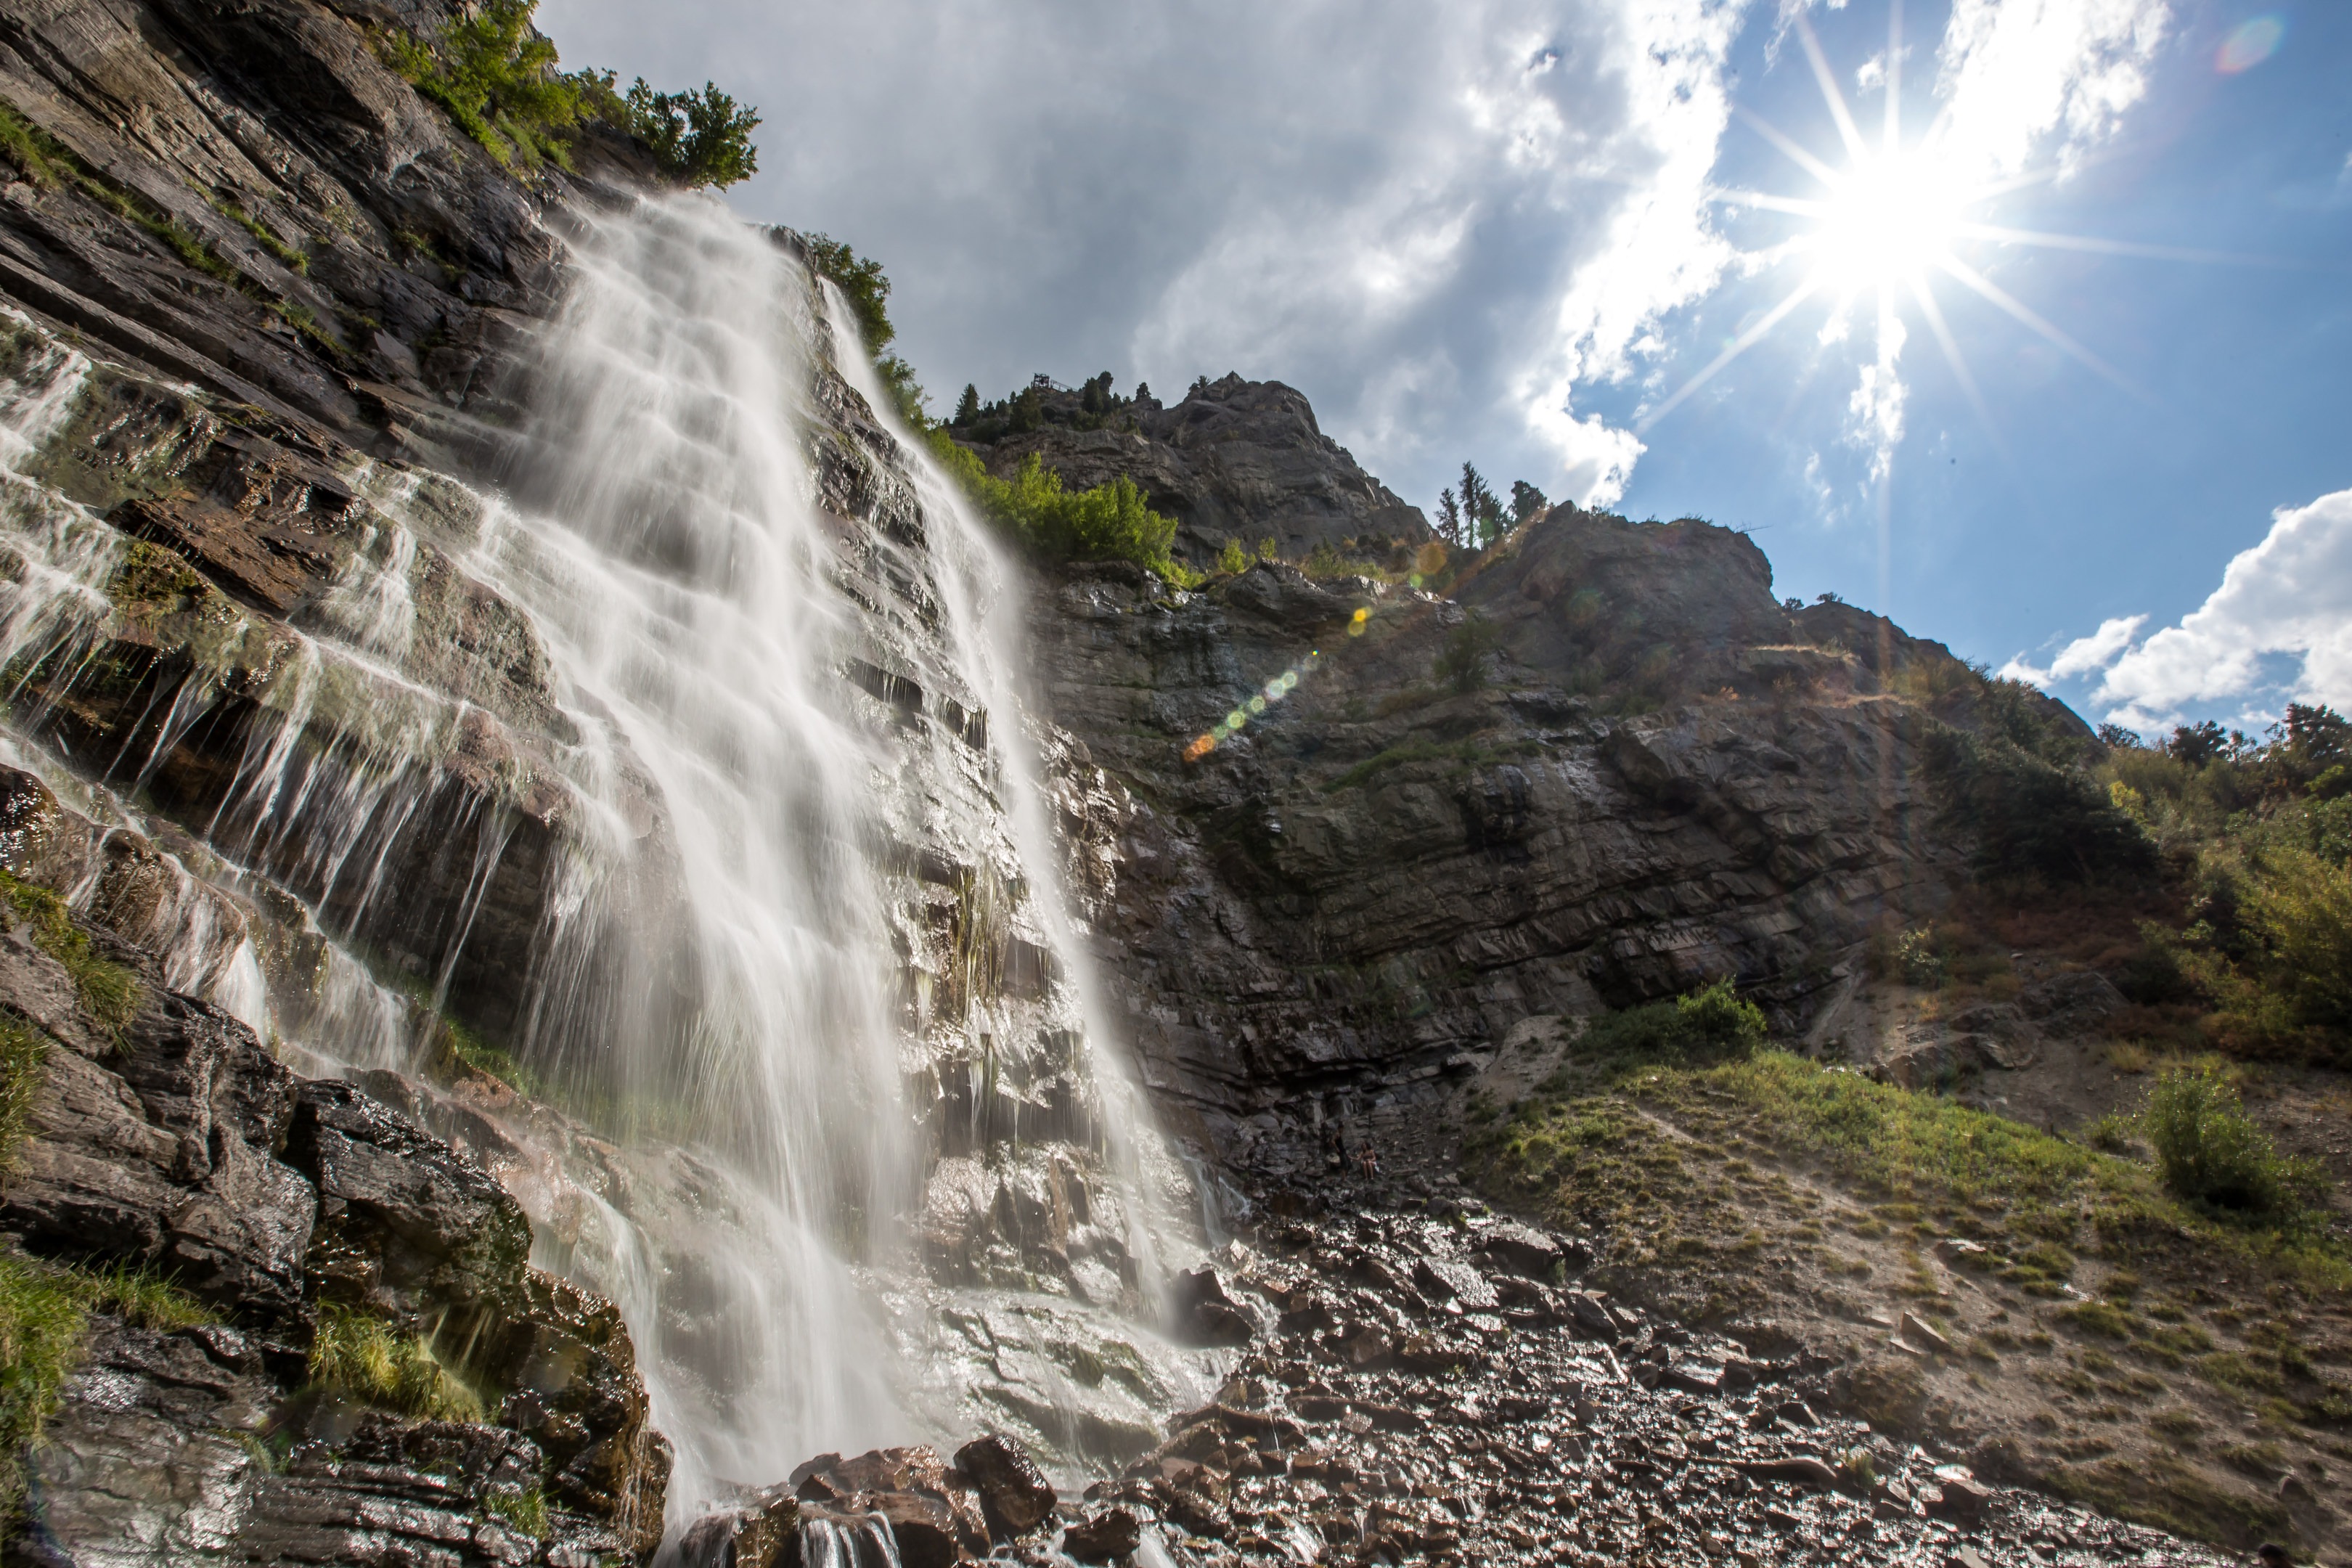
(2080, 657)
(2013, 73)
(2287, 598)
(1448, 225)
(2085, 655)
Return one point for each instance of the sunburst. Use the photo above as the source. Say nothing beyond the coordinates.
(1889, 223)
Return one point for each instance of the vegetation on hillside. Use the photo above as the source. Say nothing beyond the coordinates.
(495, 75)
(2168, 1275)
(866, 286)
(1478, 518)
(1030, 408)
(2257, 836)
(1034, 510)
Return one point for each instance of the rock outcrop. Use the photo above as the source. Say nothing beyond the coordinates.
(162, 1138)
(246, 197)
(1235, 460)
(1611, 767)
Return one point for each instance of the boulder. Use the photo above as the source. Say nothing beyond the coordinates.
(1103, 1537)
(407, 1225)
(1444, 1279)
(1515, 1248)
(1014, 1494)
(1205, 1314)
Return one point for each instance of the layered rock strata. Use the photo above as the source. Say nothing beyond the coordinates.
(162, 1138)
(1640, 772)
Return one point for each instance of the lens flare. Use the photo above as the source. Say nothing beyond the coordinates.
(2250, 43)
(1272, 692)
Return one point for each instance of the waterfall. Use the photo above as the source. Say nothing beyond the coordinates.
(804, 977)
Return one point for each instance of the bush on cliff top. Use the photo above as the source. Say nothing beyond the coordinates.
(495, 73)
(866, 286)
(1108, 522)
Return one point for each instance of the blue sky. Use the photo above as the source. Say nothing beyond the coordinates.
(1494, 229)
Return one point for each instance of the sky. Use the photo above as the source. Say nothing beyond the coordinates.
(2065, 380)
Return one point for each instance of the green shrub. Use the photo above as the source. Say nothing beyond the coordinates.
(2300, 908)
(867, 288)
(1108, 522)
(2034, 822)
(1711, 1024)
(1919, 957)
(1232, 560)
(109, 993)
(2209, 1151)
(1461, 662)
(368, 1358)
(495, 73)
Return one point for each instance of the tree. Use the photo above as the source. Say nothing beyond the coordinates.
(1142, 392)
(1449, 518)
(1525, 501)
(2197, 745)
(967, 405)
(2119, 737)
(2317, 734)
(1096, 397)
(1200, 388)
(700, 137)
(1482, 514)
(863, 283)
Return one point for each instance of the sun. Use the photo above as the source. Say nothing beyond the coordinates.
(1889, 219)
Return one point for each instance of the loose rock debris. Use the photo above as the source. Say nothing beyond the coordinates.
(1422, 1391)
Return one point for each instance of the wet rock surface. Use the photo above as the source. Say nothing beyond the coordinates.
(163, 1137)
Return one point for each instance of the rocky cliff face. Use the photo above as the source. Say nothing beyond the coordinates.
(161, 1139)
(1634, 772)
(1235, 460)
(245, 198)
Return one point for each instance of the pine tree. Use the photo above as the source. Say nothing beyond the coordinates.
(1526, 500)
(967, 405)
(1449, 518)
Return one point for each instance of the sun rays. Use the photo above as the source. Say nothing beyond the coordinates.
(1884, 227)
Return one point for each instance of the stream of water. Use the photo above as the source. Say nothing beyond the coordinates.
(728, 992)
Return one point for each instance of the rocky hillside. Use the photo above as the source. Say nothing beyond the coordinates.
(1392, 894)
(1236, 462)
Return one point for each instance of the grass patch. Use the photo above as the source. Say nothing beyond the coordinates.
(369, 1359)
(460, 1044)
(1466, 752)
(23, 1050)
(44, 1319)
(108, 993)
(525, 1510)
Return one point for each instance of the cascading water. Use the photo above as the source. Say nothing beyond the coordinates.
(802, 974)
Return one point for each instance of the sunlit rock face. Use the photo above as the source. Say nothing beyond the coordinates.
(1656, 776)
